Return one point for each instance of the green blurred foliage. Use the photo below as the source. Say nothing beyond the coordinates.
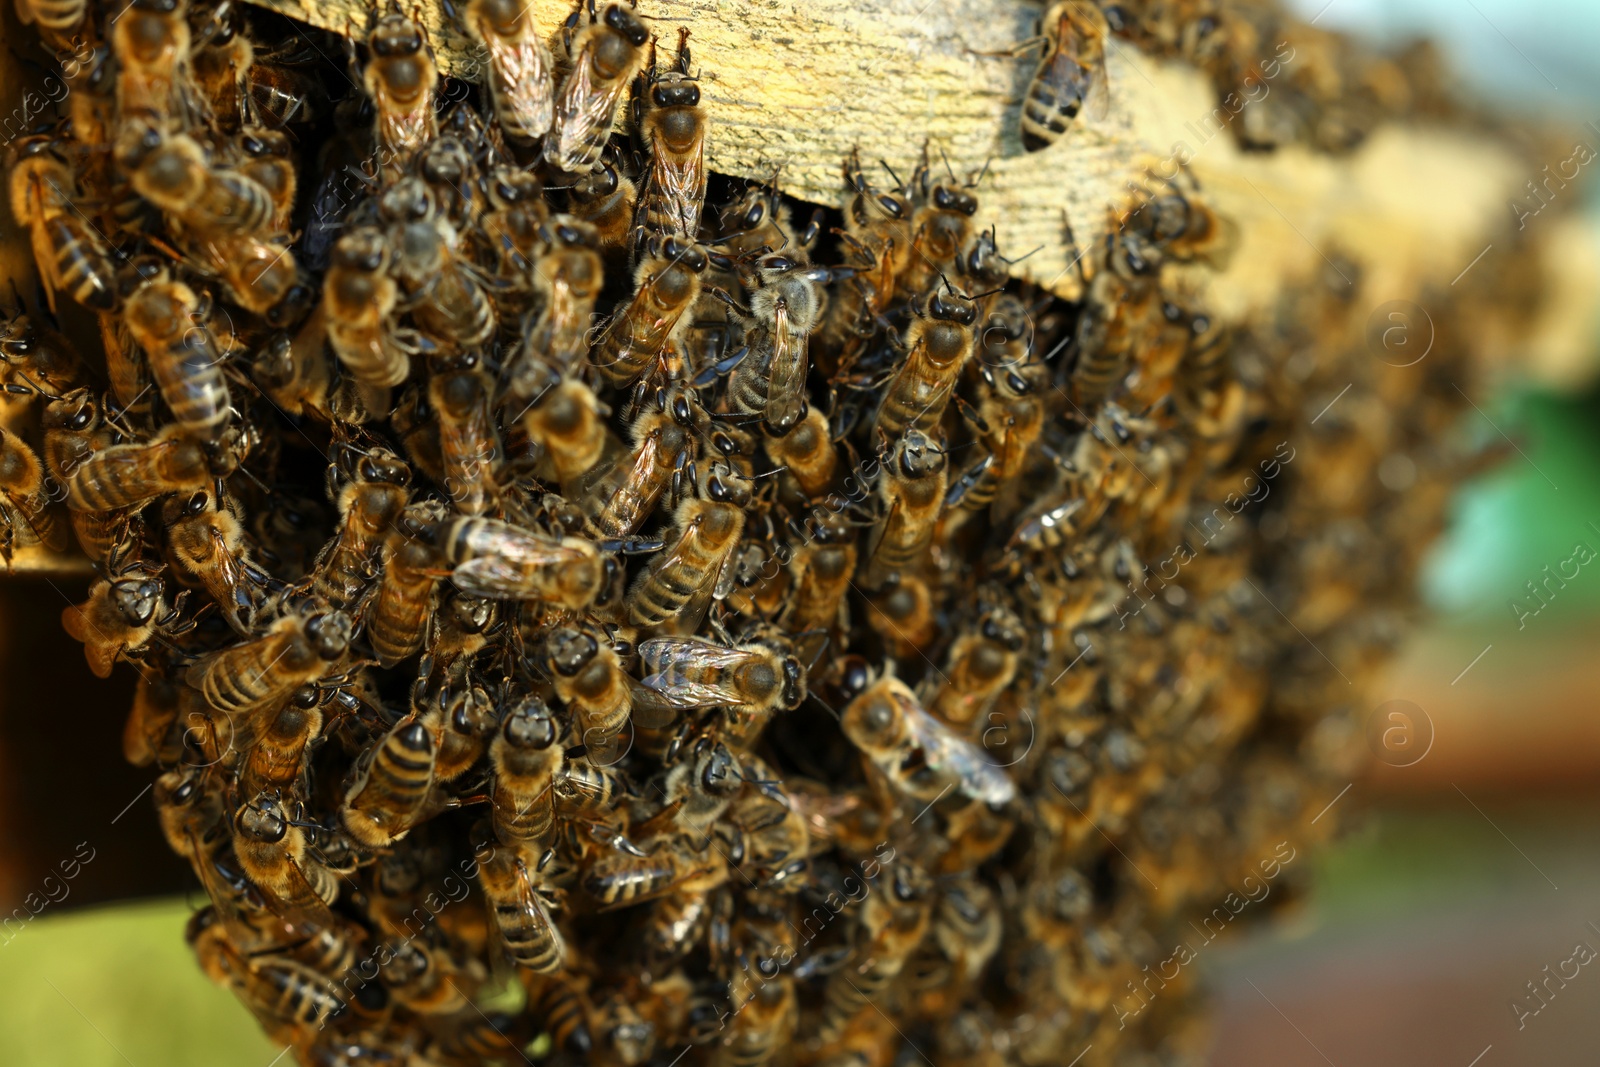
(117, 987)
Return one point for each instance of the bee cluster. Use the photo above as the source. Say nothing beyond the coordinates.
(573, 624)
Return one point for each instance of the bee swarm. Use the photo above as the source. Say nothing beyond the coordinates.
(592, 610)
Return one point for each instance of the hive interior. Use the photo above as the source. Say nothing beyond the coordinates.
(572, 628)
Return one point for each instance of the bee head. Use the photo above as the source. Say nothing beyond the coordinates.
(330, 634)
(956, 200)
(263, 818)
(137, 597)
(725, 484)
(395, 35)
(625, 22)
(571, 650)
(531, 724)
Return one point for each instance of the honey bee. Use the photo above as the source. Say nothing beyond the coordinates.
(771, 836)
(147, 735)
(528, 934)
(70, 252)
(121, 616)
(497, 560)
(567, 279)
(911, 487)
(272, 851)
(663, 453)
(967, 925)
(358, 298)
(48, 358)
(680, 582)
(588, 677)
(151, 41)
(893, 922)
(521, 84)
(56, 19)
(939, 341)
(666, 286)
(207, 542)
(171, 171)
(482, 1037)
(673, 128)
(73, 430)
(751, 680)
(564, 1010)
(462, 719)
(822, 568)
(277, 759)
(766, 1014)
(787, 301)
(1071, 74)
(606, 50)
(625, 1035)
(399, 619)
(904, 614)
(123, 476)
(607, 199)
(585, 788)
(293, 1001)
(807, 454)
(565, 422)
(268, 159)
(401, 78)
(676, 864)
(759, 219)
(450, 303)
(979, 666)
(878, 222)
(423, 979)
(389, 784)
(469, 445)
(25, 491)
(1010, 419)
(917, 753)
(302, 647)
(526, 758)
(369, 503)
(941, 227)
(166, 318)
(510, 228)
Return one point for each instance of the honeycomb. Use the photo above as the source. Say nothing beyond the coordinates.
(591, 610)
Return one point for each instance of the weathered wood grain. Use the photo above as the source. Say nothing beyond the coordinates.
(797, 84)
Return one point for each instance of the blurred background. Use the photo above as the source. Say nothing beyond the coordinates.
(1472, 872)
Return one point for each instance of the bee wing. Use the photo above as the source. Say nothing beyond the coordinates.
(522, 79)
(502, 572)
(974, 774)
(1077, 61)
(535, 907)
(585, 107)
(1097, 101)
(682, 183)
(643, 483)
(300, 904)
(660, 653)
(786, 388)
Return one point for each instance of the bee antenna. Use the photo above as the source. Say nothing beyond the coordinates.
(947, 168)
(37, 388)
(897, 182)
(973, 183)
